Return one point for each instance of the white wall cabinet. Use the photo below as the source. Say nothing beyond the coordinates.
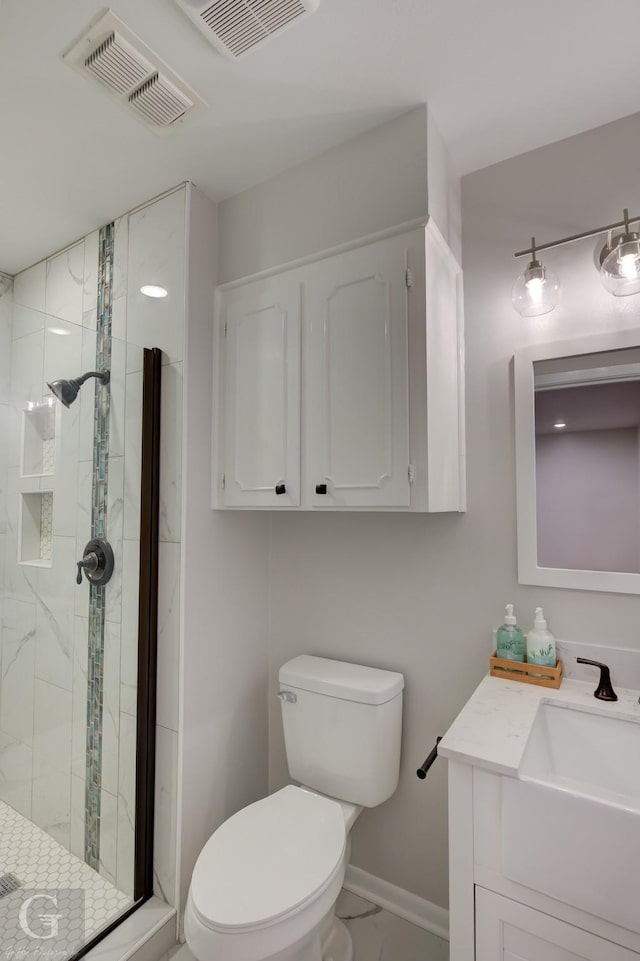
(340, 382)
(262, 395)
(357, 396)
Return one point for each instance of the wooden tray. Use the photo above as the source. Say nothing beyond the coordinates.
(518, 671)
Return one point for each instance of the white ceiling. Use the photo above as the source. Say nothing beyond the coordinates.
(502, 77)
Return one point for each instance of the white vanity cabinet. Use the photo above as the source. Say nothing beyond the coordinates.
(340, 382)
(509, 931)
(492, 917)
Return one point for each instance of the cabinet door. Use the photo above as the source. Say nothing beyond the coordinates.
(509, 931)
(262, 394)
(357, 422)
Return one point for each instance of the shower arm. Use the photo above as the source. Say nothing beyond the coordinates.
(102, 375)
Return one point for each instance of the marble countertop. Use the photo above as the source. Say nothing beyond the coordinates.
(492, 729)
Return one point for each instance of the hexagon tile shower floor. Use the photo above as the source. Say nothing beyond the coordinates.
(41, 865)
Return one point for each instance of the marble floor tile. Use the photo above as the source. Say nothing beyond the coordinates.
(181, 952)
(379, 935)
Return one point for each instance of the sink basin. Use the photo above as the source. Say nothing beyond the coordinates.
(571, 819)
(586, 753)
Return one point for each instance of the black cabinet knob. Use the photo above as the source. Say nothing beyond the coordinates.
(321, 488)
(281, 489)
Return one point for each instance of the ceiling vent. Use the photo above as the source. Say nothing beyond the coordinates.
(118, 65)
(159, 102)
(122, 66)
(235, 27)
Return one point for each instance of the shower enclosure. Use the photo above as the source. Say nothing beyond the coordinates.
(79, 501)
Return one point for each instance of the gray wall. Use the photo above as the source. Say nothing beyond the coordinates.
(421, 594)
(374, 181)
(334, 587)
(224, 656)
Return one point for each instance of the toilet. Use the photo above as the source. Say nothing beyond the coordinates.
(266, 883)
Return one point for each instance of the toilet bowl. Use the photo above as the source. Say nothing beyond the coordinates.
(265, 885)
(266, 882)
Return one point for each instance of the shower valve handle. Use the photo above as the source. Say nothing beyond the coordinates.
(90, 563)
(97, 562)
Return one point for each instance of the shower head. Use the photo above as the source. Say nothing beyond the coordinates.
(67, 390)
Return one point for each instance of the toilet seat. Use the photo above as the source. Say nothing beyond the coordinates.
(268, 861)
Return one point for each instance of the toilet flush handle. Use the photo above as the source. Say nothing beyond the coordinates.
(287, 696)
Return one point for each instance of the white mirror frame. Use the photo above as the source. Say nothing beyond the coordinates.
(523, 376)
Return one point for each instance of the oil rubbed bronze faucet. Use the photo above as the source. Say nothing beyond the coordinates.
(604, 690)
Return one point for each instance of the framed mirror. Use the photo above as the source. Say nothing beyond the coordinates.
(577, 423)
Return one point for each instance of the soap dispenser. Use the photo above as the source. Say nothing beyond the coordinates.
(510, 643)
(541, 644)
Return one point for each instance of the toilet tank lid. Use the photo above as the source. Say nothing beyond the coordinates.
(351, 682)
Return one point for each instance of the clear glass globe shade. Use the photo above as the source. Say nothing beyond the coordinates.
(536, 292)
(620, 269)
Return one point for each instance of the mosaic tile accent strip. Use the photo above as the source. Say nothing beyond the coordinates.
(46, 525)
(97, 595)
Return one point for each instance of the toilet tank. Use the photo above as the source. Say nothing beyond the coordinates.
(342, 727)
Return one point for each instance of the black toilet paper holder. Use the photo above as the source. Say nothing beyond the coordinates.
(424, 768)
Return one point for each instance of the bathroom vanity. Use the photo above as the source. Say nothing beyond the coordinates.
(544, 824)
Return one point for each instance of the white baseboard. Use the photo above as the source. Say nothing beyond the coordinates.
(403, 903)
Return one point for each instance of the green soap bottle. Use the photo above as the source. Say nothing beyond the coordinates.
(510, 642)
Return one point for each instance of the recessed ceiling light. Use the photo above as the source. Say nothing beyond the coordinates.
(559, 424)
(150, 290)
(58, 331)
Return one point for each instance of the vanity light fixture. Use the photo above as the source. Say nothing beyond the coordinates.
(559, 425)
(620, 261)
(534, 292)
(537, 290)
(151, 290)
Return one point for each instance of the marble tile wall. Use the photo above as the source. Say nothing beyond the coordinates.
(44, 614)
(36, 675)
(9, 755)
(6, 314)
(152, 251)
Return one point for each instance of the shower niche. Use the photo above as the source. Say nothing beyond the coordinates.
(36, 528)
(37, 460)
(39, 429)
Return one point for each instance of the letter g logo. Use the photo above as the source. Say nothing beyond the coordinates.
(49, 921)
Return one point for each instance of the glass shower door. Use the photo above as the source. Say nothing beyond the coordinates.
(70, 479)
